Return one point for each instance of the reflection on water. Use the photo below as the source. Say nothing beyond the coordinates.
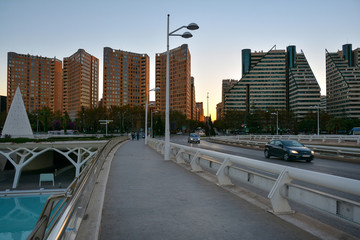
(18, 216)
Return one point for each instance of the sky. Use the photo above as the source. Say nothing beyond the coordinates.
(58, 29)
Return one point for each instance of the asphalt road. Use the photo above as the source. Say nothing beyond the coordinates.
(338, 168)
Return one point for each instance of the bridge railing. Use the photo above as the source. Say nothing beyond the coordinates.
(341, 152)
(308, 138)
(63, 213)
(283, 184)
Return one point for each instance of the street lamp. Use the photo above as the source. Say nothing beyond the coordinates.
(318, 118)
(152, 130)
(191, 26)
(146, 110)
(105, 122)
(37, 123)
(277, 122)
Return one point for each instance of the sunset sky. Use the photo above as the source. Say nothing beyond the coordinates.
(59, 28)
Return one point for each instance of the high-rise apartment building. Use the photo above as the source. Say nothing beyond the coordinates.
(200, 114)
(194, 109)
(180, 80)
(303, 91)
(80, 82)
(343, 82)
(39, 79)
(219, 110)
(227, 84)
(278, 79)
(126, 78)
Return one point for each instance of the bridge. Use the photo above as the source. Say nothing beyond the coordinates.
(130, 192)
(21, 155)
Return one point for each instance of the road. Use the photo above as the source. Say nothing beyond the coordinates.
(338, 168)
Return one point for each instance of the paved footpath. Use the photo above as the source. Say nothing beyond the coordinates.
(149, 198)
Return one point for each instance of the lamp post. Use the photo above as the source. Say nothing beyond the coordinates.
(152, 130)
(37, 123)
(146, 110)
(318, 118)
(105, 122)
(191, 26)
(277, 122)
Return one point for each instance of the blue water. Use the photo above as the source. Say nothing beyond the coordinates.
(18, 216)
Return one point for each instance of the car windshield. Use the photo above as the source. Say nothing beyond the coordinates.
(292, 144)
(194, 135)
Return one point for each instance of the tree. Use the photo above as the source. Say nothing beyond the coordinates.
(65, 119)
(233, 119)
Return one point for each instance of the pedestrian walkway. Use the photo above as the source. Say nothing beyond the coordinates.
(149, 198)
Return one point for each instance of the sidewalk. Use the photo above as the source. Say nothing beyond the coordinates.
(149, 198)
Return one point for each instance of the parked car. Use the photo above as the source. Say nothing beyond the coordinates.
(194, 138)
(288, 150)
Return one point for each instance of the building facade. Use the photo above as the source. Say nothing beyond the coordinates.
(39, 79)
(219, 110)
(126, 78)
(277, 79)
(180, 81)
(200, 114)
(194, 110)
(343, 82)
(227, 84)
(303, 92)
(80, 82)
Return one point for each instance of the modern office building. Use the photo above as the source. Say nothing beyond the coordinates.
(80, 82)
(343, 82)
(126, 78)
(180, 81)
(277, 79)
(39, 79)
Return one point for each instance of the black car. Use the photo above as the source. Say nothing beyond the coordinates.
(288, 150)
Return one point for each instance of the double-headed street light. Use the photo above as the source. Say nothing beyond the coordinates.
(191, 26)
(146, 109)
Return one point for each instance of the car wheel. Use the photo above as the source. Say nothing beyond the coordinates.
(308, 160)
(266, 153)
(286, 157)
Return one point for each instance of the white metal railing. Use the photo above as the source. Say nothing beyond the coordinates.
(276, 179)
(309, 138)
(63, 222)
(342, 152)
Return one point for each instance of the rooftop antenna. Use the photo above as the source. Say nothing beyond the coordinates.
(207, 103)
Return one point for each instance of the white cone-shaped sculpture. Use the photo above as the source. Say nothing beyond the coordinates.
(17, 122)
